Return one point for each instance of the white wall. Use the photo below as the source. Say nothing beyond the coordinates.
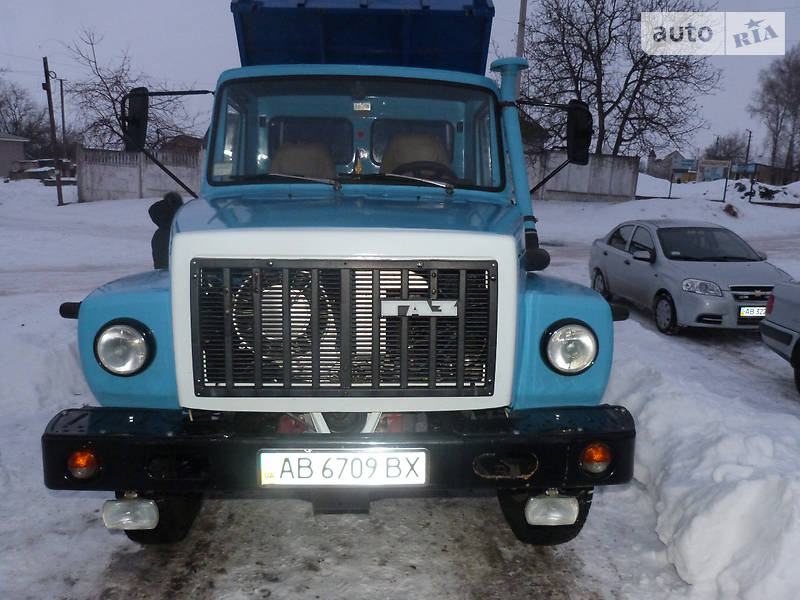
(111, 175)
(605, 179)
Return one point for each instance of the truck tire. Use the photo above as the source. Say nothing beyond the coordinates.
(512, 503)
(176, 513)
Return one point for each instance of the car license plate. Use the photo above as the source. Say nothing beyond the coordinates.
(752, 311)
(373, 467)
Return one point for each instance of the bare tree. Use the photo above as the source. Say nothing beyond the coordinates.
(591, 50)
(776, 102)
(731, 147)
(20, 115)
(99, 98)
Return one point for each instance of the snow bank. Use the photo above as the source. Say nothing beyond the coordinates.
(793, 189)
(647, 185)
(582, 222)
(723, 474)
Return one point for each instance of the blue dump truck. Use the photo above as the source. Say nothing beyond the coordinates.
(354, 306)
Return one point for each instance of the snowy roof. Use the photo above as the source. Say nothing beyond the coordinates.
(7, 137)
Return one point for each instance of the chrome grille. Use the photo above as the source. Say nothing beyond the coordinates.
(751, 293)
(315, 328)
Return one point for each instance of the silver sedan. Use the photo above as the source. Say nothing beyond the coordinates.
(689, 273)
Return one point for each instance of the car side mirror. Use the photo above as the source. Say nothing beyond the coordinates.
(579, 132)
(134, 124)
(644, 255)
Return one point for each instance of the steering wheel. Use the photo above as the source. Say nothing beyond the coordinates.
(426, 169)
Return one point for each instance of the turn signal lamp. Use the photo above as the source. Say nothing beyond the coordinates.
(83, 464)
(770, 304)
(595, 458)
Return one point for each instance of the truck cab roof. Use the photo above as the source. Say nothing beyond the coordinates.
(437, 34)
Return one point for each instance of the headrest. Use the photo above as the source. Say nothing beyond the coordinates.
(413, 147)
(306, 160)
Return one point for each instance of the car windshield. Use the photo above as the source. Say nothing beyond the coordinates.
(704, 244)
(356, 130)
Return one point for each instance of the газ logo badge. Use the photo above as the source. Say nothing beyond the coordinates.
(419, 308)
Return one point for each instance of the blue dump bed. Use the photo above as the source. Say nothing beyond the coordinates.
(435, 34)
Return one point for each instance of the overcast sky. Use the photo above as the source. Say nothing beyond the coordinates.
(188, 42)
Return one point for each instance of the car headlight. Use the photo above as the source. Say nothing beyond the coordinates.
(700, 286)
(569, 347)
(123, 347)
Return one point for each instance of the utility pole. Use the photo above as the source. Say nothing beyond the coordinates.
(523, 14)
(63, 121)
(53, 144)
(747, 152)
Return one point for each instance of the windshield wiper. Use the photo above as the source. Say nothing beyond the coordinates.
(448, 187)
(258, 178)
(729, 259)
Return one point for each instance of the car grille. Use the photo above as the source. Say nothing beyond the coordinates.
(751, 293)
(317, 328)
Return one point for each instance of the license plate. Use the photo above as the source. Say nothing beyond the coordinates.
(752, 311)
(379, 467)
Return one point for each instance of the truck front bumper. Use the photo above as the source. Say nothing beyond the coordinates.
(163, 451)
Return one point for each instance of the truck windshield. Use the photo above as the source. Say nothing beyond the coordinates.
(356, 130)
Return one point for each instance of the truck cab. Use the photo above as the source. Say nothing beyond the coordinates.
(355, 301)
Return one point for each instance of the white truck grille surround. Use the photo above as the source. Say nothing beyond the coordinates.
(211, 272)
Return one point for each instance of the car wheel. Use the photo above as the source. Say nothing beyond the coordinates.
(599, 285)
(664, 315)
(797, 377)
(175, 517)
(512, 503)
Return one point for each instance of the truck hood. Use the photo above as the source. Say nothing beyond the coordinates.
(351, 211)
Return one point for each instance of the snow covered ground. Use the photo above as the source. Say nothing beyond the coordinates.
(652, 187)
(712, 513)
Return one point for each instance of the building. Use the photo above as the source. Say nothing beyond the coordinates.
(183, 143)
(12, 149)
(662, 167)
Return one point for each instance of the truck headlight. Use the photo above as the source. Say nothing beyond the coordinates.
(569, 347)
(700, 286)
(123, 347)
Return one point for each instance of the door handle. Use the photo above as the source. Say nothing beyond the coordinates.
(605, 253)
(627, 262)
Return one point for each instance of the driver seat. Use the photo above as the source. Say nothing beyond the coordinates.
(406, 148)
(303, 159)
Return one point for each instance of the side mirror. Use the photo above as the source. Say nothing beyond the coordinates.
(644, 255)
(135, 124)
(579, 132)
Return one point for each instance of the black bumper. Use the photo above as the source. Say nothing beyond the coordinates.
(161, 450)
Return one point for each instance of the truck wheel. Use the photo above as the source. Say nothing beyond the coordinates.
(512, 503)
(176, 513)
